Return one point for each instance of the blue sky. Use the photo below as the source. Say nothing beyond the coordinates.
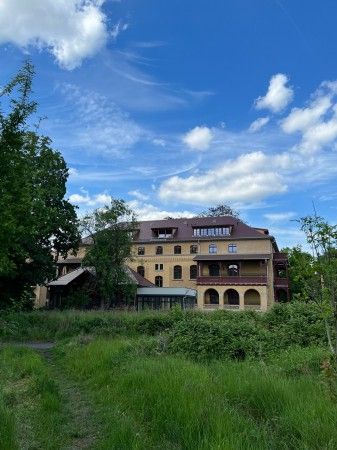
(179, 105)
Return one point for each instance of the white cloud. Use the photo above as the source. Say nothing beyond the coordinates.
(300, 119)
(139, 195)
(85, 199)
(71, 30)
(199, 138)
(258, 124)
(118, 28)
(280, 217)
(317, 122)
(278, 95)
(97, 124)
(147, 211)
(250, 177)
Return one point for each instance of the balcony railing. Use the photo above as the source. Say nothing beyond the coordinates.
(232, 281)
(282, 282)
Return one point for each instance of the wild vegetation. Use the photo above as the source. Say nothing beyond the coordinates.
(135, 393)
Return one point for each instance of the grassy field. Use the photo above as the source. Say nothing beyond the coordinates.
(121, 393)
(166, 381)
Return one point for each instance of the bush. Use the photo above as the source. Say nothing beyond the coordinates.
(223, 336)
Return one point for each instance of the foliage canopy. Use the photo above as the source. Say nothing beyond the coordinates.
(37, 223)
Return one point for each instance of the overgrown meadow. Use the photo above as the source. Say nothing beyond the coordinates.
(176, 380)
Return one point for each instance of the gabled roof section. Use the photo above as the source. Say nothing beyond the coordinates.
(138, 279)
(184, 229)
(71, 276)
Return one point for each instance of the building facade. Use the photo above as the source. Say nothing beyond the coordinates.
(230, 264)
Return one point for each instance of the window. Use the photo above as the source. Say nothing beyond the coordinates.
(177, 249)
(232, 248)
(214, 270)
(177, 272)
(159, 250)
(141, 270)
(194, 249)
(162, 233)
(212, 231)
(212, 248)
(193, 272)
(141, 250)
(158, 281)
(159, 267)
(233, 270)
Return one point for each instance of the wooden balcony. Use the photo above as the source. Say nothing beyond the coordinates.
(281, 282)
(247, 280)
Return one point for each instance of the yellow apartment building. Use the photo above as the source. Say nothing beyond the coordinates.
(230, 264)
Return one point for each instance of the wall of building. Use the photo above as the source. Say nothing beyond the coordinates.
(242, 290)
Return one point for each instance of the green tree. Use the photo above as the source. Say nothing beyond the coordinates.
(219, 210)
(110, 233)
(322, 238)
(301, 273)
(36, 222)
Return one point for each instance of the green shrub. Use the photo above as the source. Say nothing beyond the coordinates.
(226, 336)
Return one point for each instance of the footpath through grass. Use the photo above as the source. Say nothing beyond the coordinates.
(168, 381)
(154, 401)
(40, 407)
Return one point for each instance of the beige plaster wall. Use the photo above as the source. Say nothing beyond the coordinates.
(262, 290)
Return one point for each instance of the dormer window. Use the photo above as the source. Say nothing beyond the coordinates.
(163, 233)
(212, 231)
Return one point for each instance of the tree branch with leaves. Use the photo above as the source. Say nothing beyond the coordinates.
(111, 232)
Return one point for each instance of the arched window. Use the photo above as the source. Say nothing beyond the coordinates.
(177, 272)
(177, 249)
(233, 270)
(193, 272)
(214, 270)
(231, 297)
(193, 248)
(212, 248)
(211, 297)
(232, 248)
(141, 270)
(158, 281)
(159, 250)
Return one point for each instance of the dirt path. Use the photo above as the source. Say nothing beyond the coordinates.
(79, 429)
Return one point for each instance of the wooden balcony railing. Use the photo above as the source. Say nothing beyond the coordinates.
(232, 281)
(281, 282)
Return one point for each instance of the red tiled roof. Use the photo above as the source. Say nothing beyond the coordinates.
(184, 229)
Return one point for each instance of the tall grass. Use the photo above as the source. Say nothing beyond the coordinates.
(150, 402)
(32, 398)
(7, 428)
(56, 325)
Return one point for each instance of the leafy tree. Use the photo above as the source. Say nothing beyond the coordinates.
(301, 272)
(220, 210)
(322, 238)
(110, 231)
(36, 222)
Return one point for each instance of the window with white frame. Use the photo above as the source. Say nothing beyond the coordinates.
(212, 248)
(232, 248)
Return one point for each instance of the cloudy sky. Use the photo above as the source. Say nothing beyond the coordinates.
(179, 105)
